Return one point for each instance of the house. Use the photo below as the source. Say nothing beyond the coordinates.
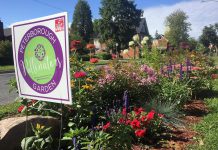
(141, 30)
(5, 34)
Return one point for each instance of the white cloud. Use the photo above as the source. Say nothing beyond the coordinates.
(200, 14)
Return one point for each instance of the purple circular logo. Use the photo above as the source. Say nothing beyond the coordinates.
(40, 59)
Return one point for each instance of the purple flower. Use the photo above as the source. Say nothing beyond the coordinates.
(126, 100)
(180, 72)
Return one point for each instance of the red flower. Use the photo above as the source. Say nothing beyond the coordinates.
(150, 115)
(128, 122)
(20, 109)
(138, 111)
(140, 133)
(121, 120)
(79, 74)
(124, 111)
(135, 123)
(143, 118)
(94, 60)
(105, 127)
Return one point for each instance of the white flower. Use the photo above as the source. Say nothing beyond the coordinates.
(143, 42)
(145, 38)
(136, 38)
(131, 43)
(125, 51)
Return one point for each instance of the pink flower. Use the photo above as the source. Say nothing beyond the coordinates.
(196, 68)
(79, 74)
(94, 60)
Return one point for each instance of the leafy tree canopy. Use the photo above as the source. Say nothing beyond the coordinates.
(119, 21)
(209, 35)
(82, 20)
(178, 27)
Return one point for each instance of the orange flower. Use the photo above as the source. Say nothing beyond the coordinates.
(90, 46)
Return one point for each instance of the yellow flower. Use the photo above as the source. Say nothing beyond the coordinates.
(87, 87)
(37, 126)
(89, 80)
(192, 55)
(88, 69)
(72, 83)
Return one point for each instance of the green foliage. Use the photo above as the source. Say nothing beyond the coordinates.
(119, 21)
(85, 57)
(41, 140)
(192, 43)
(6, 53)
(209, 35)
(104, 56)
(122, 138)
(174, 91)
(178, 27)
(82, 20)
(86, 139)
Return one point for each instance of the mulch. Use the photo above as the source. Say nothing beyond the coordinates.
(181, 137)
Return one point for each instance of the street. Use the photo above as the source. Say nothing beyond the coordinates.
(5, 96)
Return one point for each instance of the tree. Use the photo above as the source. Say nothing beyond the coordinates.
(209, 35)
(82, 20)
(178, 27)
(119, 21)
(6, 53)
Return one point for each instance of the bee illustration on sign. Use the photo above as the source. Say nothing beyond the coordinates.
(40, 52)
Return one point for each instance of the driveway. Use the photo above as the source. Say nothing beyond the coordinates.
(5, 96)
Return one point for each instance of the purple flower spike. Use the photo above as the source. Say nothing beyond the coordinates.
(126, 100)
(180, 72)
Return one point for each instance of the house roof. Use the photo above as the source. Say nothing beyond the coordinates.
(143, 28)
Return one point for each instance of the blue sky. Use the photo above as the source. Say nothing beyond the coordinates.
(155, 11)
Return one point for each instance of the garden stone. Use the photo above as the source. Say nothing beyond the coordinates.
(12, 130)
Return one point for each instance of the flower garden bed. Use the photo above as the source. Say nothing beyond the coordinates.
(141, 104)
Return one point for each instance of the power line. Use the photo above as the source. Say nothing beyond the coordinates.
(49, 5)
(209, 1)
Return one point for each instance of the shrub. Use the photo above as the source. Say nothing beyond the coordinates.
(6, 53)
(104, 56)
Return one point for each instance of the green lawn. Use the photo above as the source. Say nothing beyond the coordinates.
(6, 68)
(208, 127)
(9, 109)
